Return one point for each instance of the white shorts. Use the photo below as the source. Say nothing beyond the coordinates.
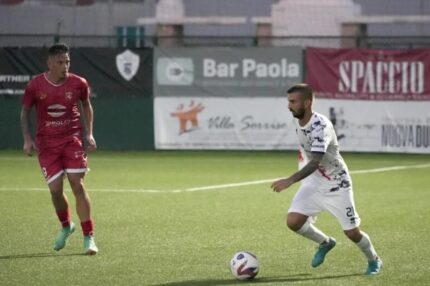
(310, 202)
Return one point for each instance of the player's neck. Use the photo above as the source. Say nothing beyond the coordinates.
(54, 78)
(303, 121)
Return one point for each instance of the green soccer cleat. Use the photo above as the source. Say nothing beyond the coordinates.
(322, 251)
(90, 245)
(374, 267)
(61, 240)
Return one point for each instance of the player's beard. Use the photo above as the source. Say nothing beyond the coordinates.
(299, 114)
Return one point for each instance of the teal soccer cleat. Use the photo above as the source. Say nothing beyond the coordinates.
(374, 267)
(322, 251)
(61, 240)
(90, 245)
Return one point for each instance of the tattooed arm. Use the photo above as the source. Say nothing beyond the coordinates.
(308, 169)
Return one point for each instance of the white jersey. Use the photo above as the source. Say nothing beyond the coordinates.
(318, 136)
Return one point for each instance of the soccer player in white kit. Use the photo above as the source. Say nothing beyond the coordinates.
(326, 183)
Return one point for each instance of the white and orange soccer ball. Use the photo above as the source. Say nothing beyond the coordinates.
(244, 265)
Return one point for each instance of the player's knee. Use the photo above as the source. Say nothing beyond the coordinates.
(77, 185)
(353, 234)
(56, 193)
(293, 223)
(56, 190)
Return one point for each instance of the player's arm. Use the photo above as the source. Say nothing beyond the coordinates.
(308, 169)
(88, 114)
(29, 144)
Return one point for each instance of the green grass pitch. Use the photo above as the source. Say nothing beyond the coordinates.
(155, 225)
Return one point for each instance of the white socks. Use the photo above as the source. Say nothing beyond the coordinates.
(309, 231)
(366, 247)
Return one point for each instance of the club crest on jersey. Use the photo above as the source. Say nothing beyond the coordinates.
(43, 95)
(56, 110)
(127, 64)
(68, 95)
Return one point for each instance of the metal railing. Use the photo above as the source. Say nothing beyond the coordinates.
(372, 42)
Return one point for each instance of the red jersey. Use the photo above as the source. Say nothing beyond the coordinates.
(58, 116)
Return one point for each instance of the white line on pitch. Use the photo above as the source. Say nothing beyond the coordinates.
(90, 189)
(377, 170)
(222, 186)
(387, 169)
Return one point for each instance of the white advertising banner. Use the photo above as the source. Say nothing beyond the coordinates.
(379, 126)
(257, 123)
(223, 123)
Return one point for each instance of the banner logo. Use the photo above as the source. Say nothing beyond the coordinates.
(361, 74)
(175, 71)
(187, 116)
(127, 64)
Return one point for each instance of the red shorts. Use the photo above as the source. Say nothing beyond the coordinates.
(68, 157)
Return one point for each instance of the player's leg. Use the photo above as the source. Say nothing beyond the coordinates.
(83, 209)
(75, 162)
(343, 208)
(52, 170)
(60, 201)
(83, 203)
(302, 225)
(300, 219)
(308, 230)
(363, 242)
(61, 206)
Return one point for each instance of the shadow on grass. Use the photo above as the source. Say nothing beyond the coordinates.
(279, 279)
(39, 255)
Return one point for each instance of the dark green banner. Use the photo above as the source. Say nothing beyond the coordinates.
(110, 72)
(121, 83)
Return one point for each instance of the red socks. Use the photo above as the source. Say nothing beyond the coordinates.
(64, 217)
(87, 227)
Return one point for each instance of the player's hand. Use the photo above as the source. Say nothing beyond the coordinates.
(280, 185)
(28, 147)
(92, 146)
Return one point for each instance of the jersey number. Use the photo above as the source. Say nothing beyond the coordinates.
(350, 212)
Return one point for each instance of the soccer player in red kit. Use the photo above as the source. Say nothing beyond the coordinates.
(56, 95)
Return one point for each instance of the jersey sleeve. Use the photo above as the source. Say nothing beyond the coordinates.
(29, 95)
(85, 90)
(320, 136)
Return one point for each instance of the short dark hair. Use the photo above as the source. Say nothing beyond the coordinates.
(58, 48)
(304, 89)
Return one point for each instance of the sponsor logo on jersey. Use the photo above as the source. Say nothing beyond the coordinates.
(58, 123)
(56, 110)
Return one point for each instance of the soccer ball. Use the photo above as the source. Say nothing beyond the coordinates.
(244, 265)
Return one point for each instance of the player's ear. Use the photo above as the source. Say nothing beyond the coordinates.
(307, 102)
